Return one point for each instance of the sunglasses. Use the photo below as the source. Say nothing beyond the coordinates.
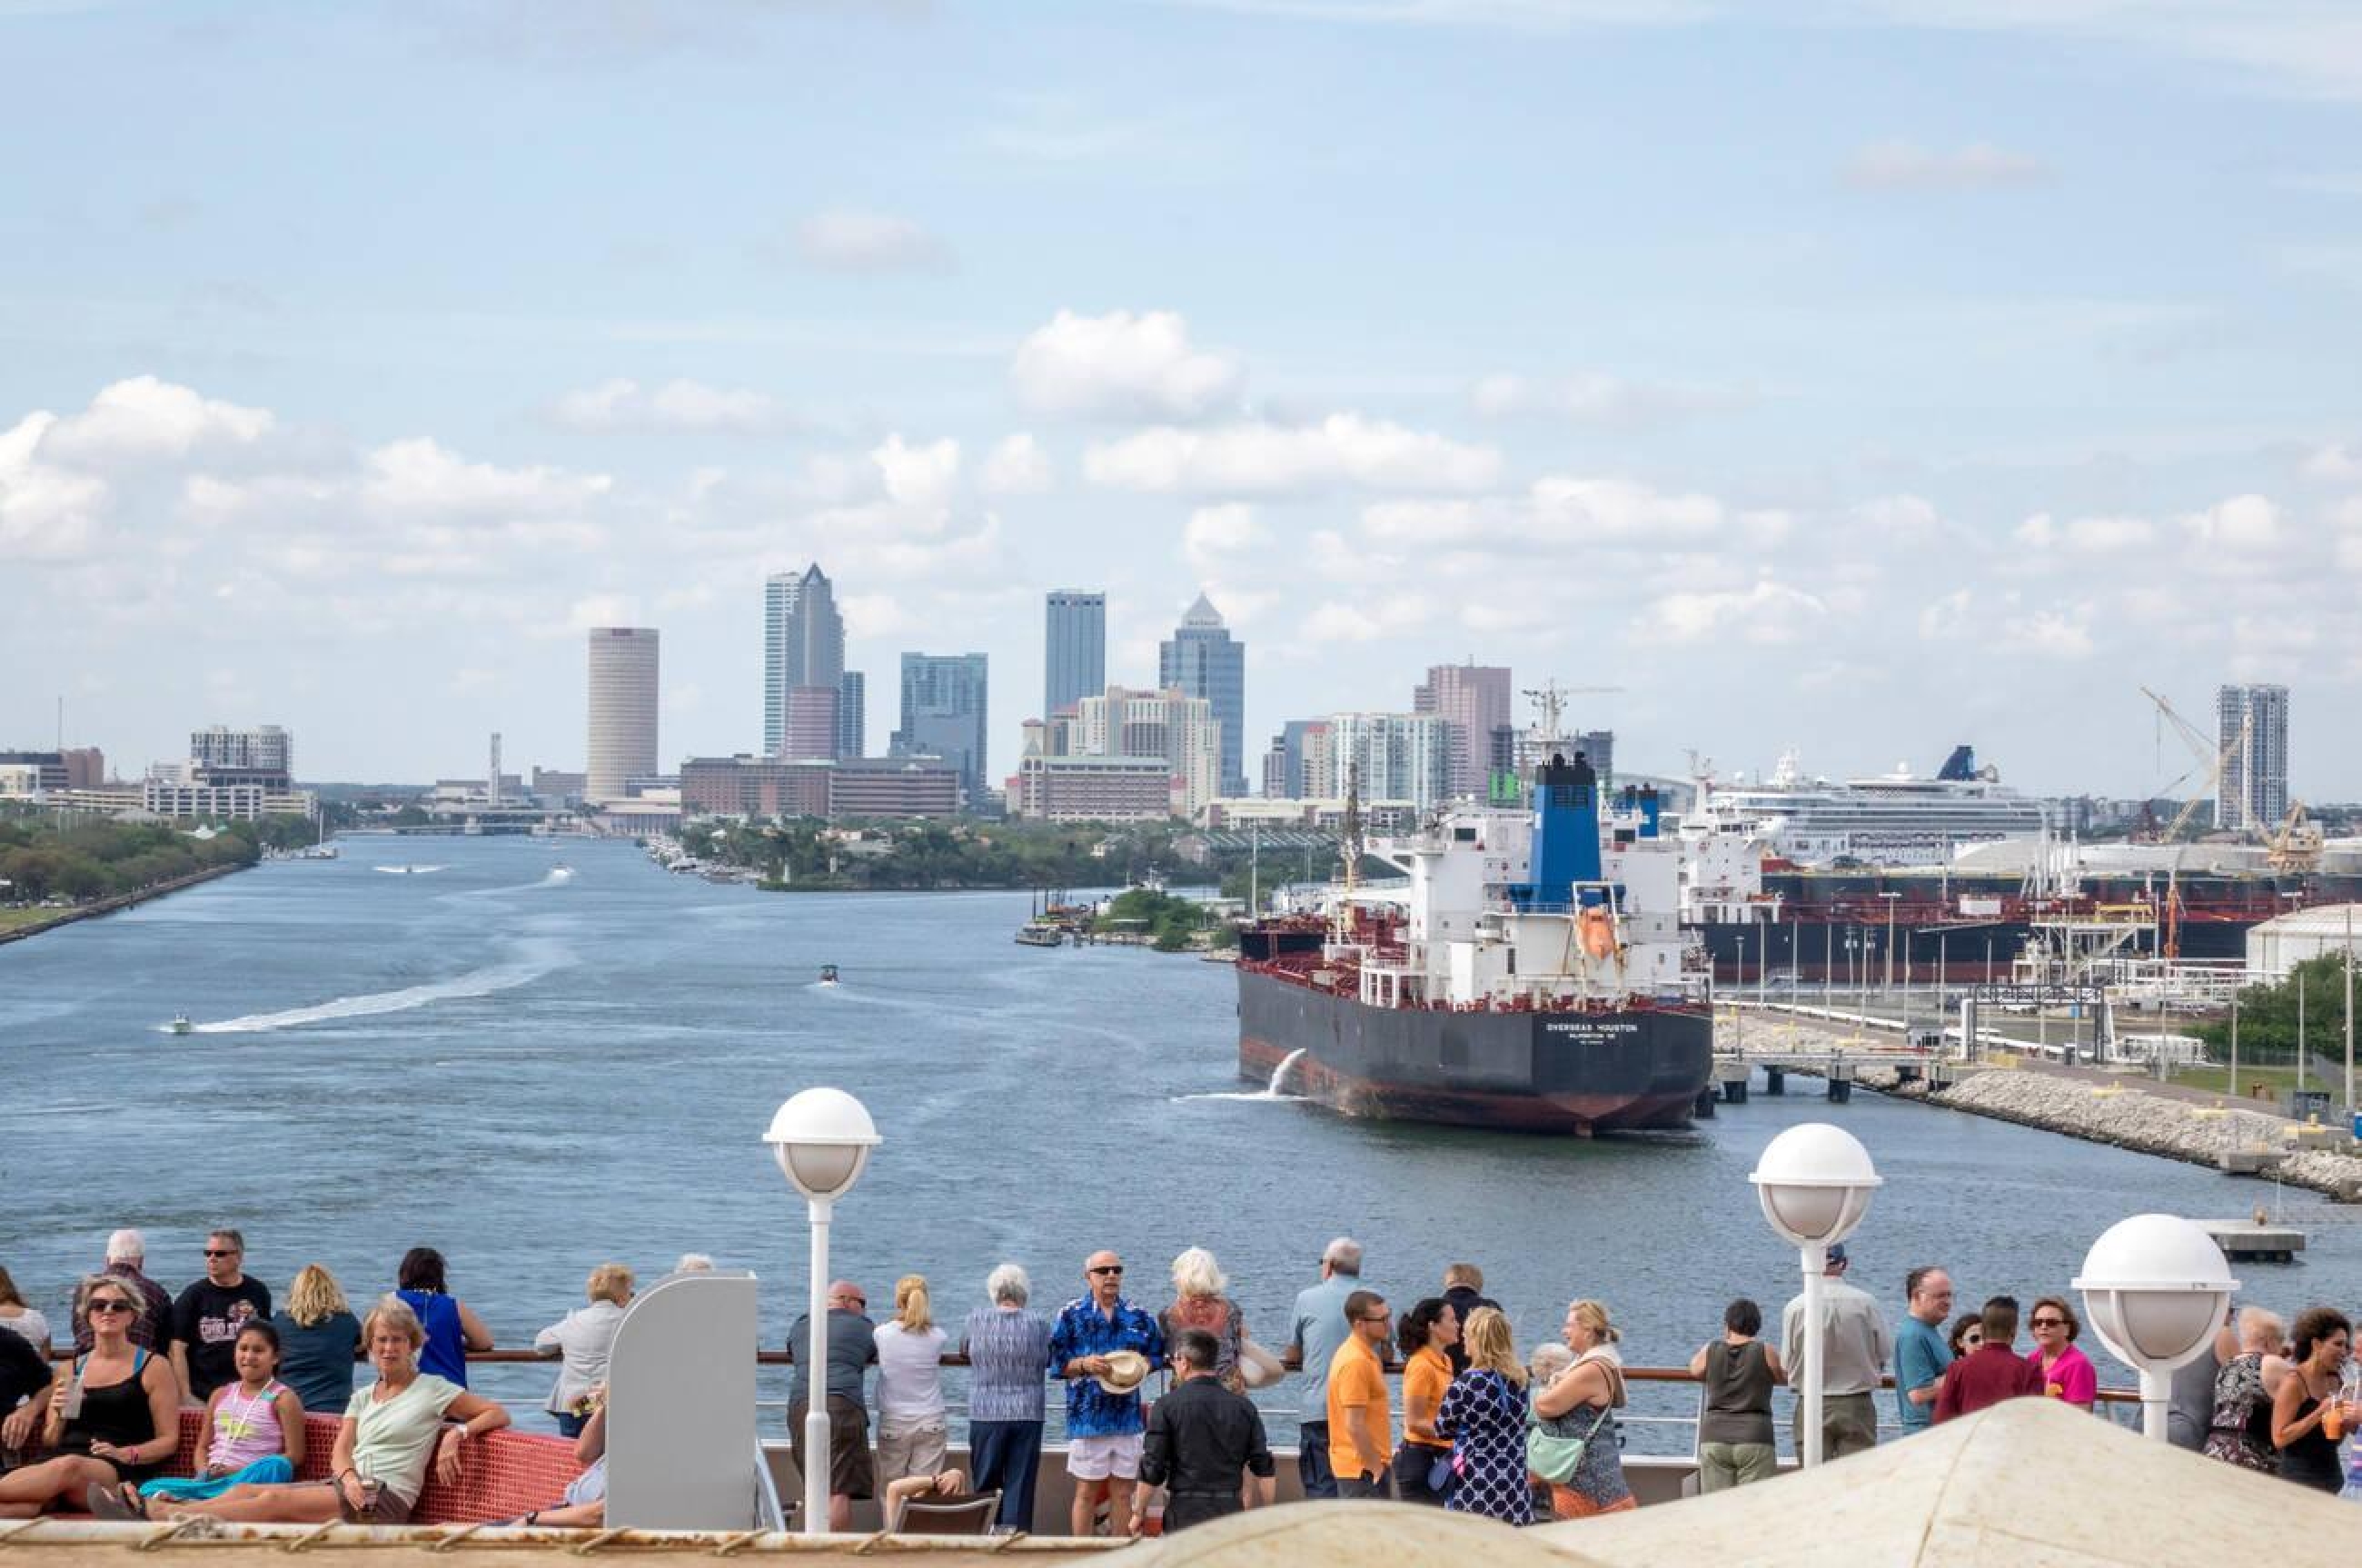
(1376, 1316)
(1108, 1268)
(109, 1304)
(221, 1252)
(1972, 1338)
(2050, 1323)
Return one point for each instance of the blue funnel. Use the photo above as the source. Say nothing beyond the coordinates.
(1566, 830)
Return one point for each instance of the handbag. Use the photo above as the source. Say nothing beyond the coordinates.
(1438, 1475)
(1555, 1459)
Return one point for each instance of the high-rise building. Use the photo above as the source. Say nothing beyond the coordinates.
(852, 714)
(1075, 646)
(2251, 730)
(622, 742)
(1182, 732)
(944, 715)
(1473, 698)
(1202, 659)
(813, 724)
(1402, 757)
(803, 644)
(263, 756)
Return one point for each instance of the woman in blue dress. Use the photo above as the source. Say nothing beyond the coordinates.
(1484, 1414)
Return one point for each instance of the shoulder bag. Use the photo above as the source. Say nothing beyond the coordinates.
(1556, 1458)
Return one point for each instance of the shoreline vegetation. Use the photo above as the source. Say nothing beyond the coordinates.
(798, 855)
(56, 875)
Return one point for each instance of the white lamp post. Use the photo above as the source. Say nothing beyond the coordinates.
(822, 1139)
(2155, 1287)
(1815, 1182)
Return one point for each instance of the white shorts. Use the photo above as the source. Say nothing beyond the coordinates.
(1097, 1458)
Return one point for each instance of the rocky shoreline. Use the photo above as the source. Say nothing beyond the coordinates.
(2129, 1118)
(98, 907)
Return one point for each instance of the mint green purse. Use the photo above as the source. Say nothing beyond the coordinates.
(1555, 1458)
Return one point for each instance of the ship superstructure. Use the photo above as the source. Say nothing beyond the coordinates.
(1531, 972)
(1896, 819)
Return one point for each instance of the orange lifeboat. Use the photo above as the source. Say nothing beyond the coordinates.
(1596, 930)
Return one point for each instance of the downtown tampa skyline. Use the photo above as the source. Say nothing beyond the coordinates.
(1860, 378)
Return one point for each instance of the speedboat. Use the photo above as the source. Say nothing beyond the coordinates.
(828, 973)
(181, 1024)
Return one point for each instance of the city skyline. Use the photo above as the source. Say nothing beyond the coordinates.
(1891, 405)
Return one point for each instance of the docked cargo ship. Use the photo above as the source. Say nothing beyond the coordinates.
(1532, 974)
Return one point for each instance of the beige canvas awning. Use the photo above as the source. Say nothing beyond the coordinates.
(2027, 1482)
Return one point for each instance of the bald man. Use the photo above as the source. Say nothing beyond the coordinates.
(852, 1349)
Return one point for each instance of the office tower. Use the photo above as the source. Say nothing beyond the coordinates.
(1473, 698)
(1203, 660)
(852, 714)
(1180, 730)
(1402, 757)
(622, 710)
(803, 644)
(944, 715)
(1075, 646)
(813, 723)
(1274, 769)
(2251, 729)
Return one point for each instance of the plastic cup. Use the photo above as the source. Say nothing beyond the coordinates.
(71, 1408)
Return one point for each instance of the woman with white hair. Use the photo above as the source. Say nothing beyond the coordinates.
(1198, 1302)
(1008, 1348)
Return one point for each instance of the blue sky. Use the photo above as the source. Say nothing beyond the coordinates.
(1856, 376)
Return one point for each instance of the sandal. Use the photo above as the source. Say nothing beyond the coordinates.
(114, 1503)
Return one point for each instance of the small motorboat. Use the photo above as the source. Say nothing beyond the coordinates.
(828, 973)
(181, 1024)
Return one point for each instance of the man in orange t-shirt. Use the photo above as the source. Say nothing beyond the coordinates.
(1361, 1418)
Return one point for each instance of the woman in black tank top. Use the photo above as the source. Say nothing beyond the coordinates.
(2308, 1453)
(128, 1427)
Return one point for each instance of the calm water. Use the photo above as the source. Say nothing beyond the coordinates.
(534, 1073)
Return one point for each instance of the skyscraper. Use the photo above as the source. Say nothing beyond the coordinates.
(1473, 700)
(852, 713)
(1075, 648)
(622, 743)
(944, 715)
(1401, 757)
(1202, 660)
(803, 644)
(2251, 725)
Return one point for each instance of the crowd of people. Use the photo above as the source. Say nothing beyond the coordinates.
(1481, 1429)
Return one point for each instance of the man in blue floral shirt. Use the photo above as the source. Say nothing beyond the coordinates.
(1103, 1346)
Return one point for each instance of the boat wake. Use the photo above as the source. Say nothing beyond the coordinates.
(536, 959)
(408, 870)
(558, 877)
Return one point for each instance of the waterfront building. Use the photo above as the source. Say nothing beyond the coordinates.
(893, 787)
(944, 715)
(1202, 659)
(2275, 946)
(1403, 756)
(1073, 648)
(1475, 700)
(852, 713)
(804, 646)
(812, 723)
(2251, 733)
(1181, 729)
(34, 772)
(1093, 788)
(744, 786)
(180, 799)
(558, 784)
(23, 781)
(623, 718)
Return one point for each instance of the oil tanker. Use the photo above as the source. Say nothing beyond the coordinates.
(1532, 974)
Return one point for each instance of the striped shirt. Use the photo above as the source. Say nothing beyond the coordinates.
(1009, 1356)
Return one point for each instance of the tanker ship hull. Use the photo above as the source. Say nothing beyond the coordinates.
(1632, 1069)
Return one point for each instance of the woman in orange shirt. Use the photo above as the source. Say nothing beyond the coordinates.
(1423, 1464)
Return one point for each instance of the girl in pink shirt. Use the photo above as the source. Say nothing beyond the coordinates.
(2066, 1373)
(253, 1430)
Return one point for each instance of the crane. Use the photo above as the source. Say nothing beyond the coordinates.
(2237, 745)
(2208, 756)
(2298, 845)
(1550, 705)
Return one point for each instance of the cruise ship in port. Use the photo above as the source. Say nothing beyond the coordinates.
(1899, 819)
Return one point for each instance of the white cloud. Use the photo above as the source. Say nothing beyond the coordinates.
(1121, 366)
(46, 513)
(1366, 621)
(622, 403)
(147, 418)
(1016, 466)
(2085, 535)
(2062, 633)
(2242, 523)
(918, 476)
(602, 609)
(1901, 166)
(2340, 463)
(1767, 614)
(851, 240)
(1598, 398)
(1906, 519)
(1213, 533)
(1948, 617)
(1258, 458)
(418, 474)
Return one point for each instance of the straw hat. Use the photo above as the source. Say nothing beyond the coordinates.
(1125, 1370)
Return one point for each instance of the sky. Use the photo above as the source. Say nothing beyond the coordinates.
(1859, 377)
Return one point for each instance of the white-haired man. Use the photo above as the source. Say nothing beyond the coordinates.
(126, 1255)
(1316, 1329)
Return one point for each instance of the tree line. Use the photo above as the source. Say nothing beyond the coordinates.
(84, 859)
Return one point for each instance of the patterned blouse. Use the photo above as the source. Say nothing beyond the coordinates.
(1009, 1354)
(1484, 1414)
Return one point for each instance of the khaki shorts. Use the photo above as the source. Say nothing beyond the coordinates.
(910, 1450)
